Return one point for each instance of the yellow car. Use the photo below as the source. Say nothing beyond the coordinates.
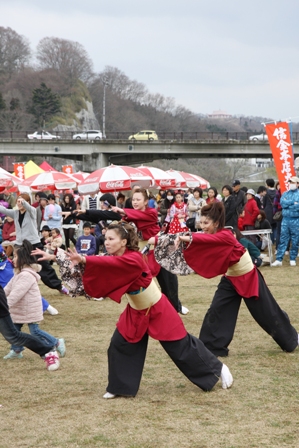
(144, 135)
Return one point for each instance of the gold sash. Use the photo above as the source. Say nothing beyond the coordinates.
(145, 299)
(243, 266)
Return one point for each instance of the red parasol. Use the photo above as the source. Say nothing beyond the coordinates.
(114, 178)
(187, 180)
(49, 180)
(7, 180)
(160, 178)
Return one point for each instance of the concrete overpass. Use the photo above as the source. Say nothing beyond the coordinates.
(96, 154)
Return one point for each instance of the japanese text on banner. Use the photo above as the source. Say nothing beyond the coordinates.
(282, 150)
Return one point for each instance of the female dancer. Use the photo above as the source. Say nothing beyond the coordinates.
(148, 313)
(221, 253)
(146, 221)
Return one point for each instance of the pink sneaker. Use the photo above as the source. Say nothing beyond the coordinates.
(64, 290)
(52, 360)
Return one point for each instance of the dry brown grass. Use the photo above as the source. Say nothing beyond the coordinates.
(65, 408)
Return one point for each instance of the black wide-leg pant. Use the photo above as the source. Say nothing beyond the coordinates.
(170, 288)
(220, 320)
(126, 361)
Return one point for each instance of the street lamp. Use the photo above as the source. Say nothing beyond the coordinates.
(105, 82)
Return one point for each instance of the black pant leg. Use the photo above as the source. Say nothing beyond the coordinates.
(219, 324)
(268, 314)
(170, 287)
(195, 361)
(125, 362)
(47, 273)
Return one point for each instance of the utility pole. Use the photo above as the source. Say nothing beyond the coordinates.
(105, 82)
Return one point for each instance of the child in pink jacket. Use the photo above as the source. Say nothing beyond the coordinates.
(24, 300)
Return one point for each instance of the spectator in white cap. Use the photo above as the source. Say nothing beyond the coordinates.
(290, 223)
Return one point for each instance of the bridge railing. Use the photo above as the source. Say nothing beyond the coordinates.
(163, 135)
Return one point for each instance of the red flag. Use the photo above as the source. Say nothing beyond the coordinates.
(68, 169)
(282, 150)
(19, 170)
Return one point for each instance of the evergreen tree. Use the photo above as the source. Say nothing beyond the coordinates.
(45, 104)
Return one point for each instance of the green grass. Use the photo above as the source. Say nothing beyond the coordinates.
(65, 408)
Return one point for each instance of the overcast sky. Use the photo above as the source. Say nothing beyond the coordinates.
(238, 56)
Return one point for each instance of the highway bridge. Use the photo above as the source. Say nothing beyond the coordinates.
(96, 154)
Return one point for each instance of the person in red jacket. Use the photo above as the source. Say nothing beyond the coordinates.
(146, 221)
(251, 213)
(8, 235)
(148, 313)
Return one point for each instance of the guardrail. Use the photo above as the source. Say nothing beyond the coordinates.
(163, 135)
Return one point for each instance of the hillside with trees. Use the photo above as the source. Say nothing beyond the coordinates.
(54, 87)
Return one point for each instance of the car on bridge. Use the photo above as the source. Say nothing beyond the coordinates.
(144, 136)
(259, 138)
(42, 135)
(88, 135)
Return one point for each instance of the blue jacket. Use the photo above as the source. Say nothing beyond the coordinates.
(290, 204)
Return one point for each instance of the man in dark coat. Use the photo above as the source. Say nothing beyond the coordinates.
(239, 195)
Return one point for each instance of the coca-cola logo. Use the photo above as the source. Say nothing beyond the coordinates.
(166, 182)
(116, 184)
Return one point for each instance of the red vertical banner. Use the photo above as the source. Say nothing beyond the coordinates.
(68, 169)
(19, 170)
(282, 150)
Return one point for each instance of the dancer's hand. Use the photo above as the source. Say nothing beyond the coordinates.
(117, 210)
(44, 255)
(181, 238)
(74, 257)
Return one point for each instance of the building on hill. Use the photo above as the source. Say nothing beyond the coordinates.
(219, 114)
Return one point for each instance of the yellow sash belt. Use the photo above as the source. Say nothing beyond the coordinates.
(243, 266)
(145, 299)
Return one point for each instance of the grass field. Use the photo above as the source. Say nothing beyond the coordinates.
(65, 408)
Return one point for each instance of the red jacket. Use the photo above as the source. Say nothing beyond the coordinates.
(251, 211)
(7, 229)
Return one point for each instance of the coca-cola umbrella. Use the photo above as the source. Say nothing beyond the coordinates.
(50, 180)
(186, 180)
(203, 182)
(7, 180)
(80, 176)
(114, 178)
(161, 178)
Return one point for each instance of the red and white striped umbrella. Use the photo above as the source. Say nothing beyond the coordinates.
(187, 180)
(203, 182)
(160, 178)
(7, 180)
(80, 176)
(50, 180)
(114, 178)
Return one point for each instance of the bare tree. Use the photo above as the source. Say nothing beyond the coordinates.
(66, 56)
(14, 52)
